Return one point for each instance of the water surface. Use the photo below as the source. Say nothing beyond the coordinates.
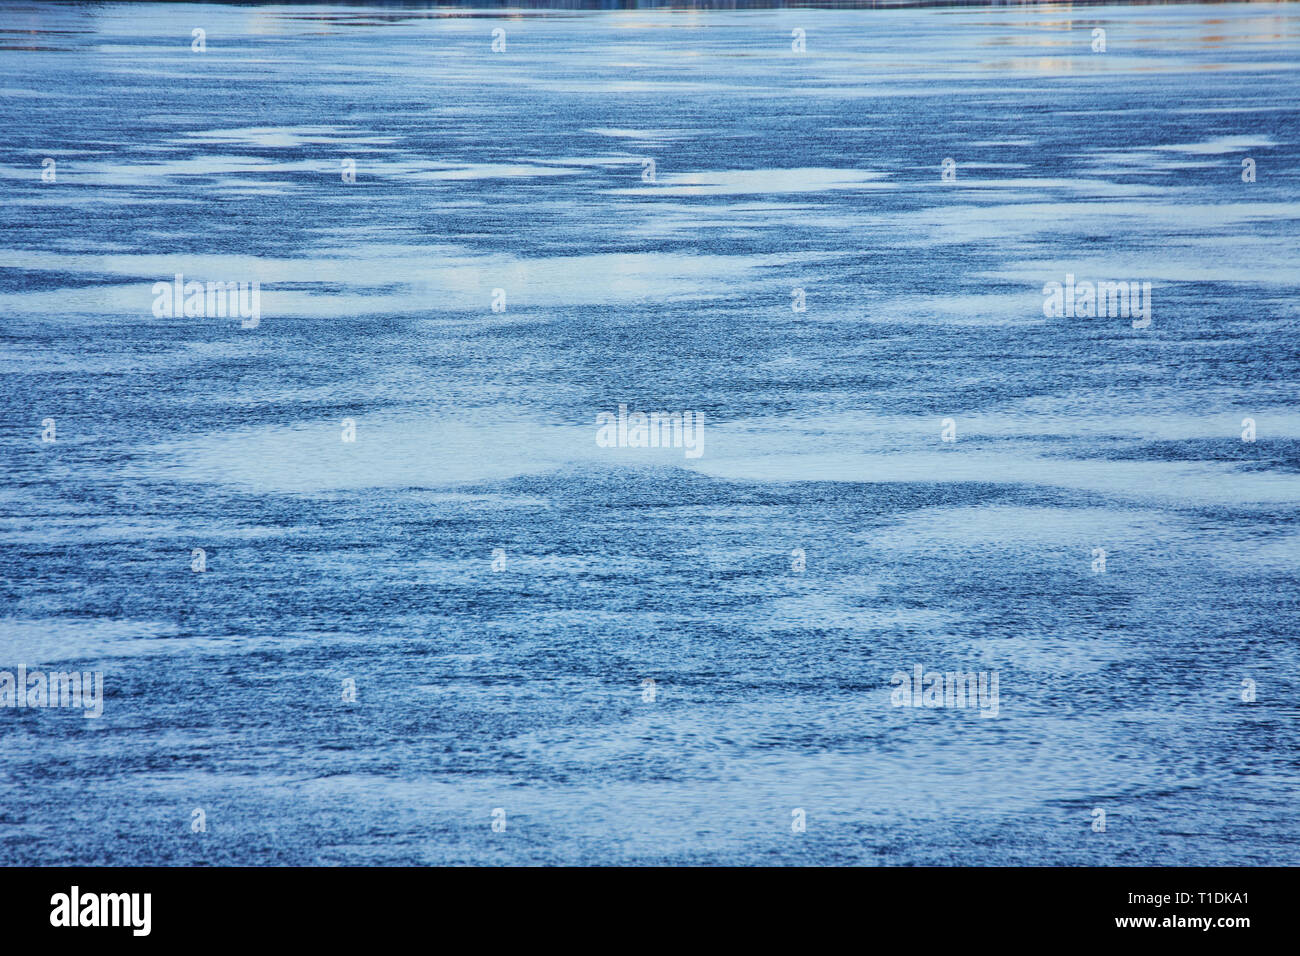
(522, 689)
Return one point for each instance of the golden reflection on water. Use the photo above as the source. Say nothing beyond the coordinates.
(1214, 32)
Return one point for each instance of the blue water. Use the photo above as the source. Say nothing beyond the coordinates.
(522, 689)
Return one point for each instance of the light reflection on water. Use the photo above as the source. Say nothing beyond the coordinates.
(522, 688)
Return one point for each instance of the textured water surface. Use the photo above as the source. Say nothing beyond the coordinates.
(523, 688)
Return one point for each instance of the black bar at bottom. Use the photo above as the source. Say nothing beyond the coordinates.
(338, 906)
